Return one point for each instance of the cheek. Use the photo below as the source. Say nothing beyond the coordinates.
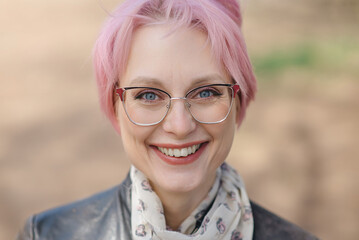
(227, 134)
(223, 135)
(231, 128)
(129, 134)
(133, 137)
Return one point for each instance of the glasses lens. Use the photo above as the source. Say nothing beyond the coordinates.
(210, 104)
(146, 106)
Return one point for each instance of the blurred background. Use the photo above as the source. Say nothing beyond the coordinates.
(297, 149)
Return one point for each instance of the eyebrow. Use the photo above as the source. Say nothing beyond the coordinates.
(145, 80)
(206, 79)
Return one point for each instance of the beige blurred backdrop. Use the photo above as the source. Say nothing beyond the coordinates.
(297, 148)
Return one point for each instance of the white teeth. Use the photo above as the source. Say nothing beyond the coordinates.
(184, 152)
(193, 148)
(179, 152)
(189, 150)
(176, 152)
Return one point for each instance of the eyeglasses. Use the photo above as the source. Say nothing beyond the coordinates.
(147, 106)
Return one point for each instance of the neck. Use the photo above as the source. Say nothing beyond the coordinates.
(179, 205)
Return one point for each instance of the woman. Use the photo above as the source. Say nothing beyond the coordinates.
(174, 79)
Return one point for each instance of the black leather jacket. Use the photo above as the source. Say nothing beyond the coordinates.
(107, 216)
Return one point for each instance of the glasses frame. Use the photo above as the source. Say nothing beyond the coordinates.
(120, 92)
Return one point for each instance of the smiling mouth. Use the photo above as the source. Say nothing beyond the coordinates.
(179, 152)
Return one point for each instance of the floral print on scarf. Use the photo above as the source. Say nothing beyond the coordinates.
(224, 214)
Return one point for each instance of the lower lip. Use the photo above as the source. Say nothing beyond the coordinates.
(180, 160)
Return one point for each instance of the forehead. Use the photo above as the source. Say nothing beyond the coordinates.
(160, 55)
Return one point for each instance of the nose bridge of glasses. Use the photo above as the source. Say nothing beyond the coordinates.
(178, 98)
(181, 98)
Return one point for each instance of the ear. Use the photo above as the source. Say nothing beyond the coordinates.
(116, 121)
(238, 104)
(238, 108)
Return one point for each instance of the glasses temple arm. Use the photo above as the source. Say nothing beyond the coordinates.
(235, 90)
(119, 92)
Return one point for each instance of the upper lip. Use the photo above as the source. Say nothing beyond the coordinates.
(184, 145)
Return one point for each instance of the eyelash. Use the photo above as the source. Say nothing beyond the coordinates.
(141, 95)
(212, 90)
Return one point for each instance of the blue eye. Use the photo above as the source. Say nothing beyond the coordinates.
(149, 96)
(205, 93)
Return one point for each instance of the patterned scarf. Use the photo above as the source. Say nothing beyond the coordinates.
(224, 214)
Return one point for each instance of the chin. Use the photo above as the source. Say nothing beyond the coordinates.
(179, 182)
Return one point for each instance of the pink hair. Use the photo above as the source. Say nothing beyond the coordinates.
(220, 19)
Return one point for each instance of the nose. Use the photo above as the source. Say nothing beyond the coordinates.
(179, 120)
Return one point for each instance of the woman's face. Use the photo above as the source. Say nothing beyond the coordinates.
(175, 63)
